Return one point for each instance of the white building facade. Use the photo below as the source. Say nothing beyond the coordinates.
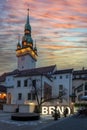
(22, 91)
(63, 83)
(20, 85)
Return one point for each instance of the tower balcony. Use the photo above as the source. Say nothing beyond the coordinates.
(25, 51)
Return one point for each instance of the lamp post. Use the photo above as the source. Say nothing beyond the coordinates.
(72, 96)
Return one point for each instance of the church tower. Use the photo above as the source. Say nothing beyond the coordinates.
(26, 53)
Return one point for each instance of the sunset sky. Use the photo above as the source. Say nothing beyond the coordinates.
(58, 26)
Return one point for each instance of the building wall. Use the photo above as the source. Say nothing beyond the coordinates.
(66, 81)
(26, 62)
(9, 82)
(79, 88)
(16, 90)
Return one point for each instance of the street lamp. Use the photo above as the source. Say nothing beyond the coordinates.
(73, 97)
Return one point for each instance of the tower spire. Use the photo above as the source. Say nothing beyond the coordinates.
(26, 53)
(27, 25)
(27, 22)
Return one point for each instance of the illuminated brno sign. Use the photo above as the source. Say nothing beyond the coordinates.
(47, 110)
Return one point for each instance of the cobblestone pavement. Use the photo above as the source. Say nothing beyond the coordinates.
(45, 123)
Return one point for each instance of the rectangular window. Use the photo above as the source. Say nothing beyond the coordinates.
(60, 87)
(60, 93)
(66, 76)
(29, 96)
(25, 83)
(80, 88)
(79, 97)
(85, 93)
(19, 96)
(85, 85)
(18, 83)
(34, 83)
(61, 77)
(33, 96)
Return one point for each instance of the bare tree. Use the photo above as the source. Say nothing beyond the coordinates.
(41, 100)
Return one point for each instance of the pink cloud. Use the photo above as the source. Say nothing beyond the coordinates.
(59, 47)
(57, 25)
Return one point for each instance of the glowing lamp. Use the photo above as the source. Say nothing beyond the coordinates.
(24, 43)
